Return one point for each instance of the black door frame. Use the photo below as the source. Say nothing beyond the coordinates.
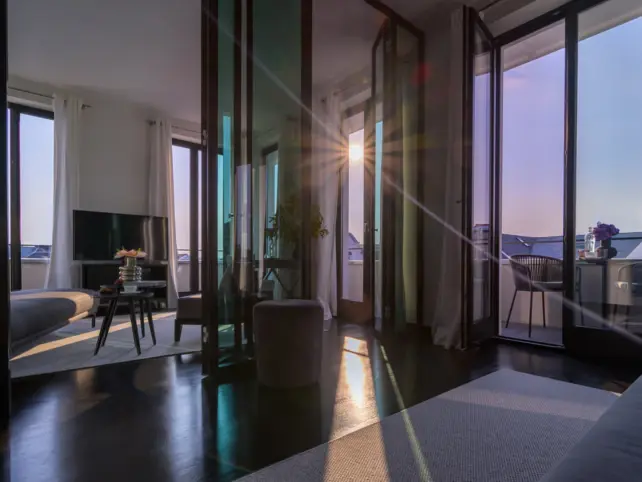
(16, 111)
(475, 331)
(242, 121)
(576, 339)
(389, 197)
(194, 201)
(5, 373)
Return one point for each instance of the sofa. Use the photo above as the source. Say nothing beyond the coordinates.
(611, 451)
(35, 313)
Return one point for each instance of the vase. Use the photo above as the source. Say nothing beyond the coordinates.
(605, 250)
(130, 271)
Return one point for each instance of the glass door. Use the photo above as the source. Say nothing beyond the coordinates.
(603, 317)
(394, 126)
(354, 221)
(480, 250)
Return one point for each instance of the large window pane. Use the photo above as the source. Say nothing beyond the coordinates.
(481, 164)
(609, 150)
(181, 172)
(36, 197)
(533, 89)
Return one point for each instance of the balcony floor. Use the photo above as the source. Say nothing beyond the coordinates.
(549, 335)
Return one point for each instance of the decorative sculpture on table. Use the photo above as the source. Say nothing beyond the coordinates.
(603, 234)
(130, 271)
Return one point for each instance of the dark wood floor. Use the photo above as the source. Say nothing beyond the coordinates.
(156, 420)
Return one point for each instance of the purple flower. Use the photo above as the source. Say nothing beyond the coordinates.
(604, 231)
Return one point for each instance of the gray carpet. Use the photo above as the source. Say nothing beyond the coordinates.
(507, 426)
(72, 347)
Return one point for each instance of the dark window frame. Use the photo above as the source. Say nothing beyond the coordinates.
(15, 112)
(194, 180)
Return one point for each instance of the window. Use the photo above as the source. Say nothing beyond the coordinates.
(272, 176)
(31, 191)
(186, 170)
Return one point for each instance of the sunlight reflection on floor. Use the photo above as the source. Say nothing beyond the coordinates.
(355, 386)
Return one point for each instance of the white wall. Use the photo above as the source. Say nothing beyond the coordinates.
(114, 169)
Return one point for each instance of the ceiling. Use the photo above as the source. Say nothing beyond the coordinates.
(148, 51)
(145, 51)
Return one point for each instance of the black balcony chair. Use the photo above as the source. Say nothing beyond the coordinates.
(534, 273)
(629, 289)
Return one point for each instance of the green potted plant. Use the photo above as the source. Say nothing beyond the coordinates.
(287, 224)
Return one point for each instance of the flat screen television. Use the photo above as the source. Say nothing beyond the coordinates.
(97, 236)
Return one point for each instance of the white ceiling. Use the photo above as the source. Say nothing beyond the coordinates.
(148, 51)
(145, 51)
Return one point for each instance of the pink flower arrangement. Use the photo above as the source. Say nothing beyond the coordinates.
(130, 253)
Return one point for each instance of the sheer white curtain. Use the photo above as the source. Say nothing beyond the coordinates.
(161, 193)
(446, 324)
(327, 150)
(61, 272)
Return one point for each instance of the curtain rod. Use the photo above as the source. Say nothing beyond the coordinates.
(153, 123)
(84, 106)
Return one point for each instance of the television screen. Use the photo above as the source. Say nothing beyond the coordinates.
(97, 236)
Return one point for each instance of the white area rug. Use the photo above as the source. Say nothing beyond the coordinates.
(72, 347)
(506, 426)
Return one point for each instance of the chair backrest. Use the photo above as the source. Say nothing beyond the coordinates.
(532, 268)
(631, 272)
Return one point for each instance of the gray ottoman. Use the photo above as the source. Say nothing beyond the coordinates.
(288, 337)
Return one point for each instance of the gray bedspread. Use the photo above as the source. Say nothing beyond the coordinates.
(35, 313)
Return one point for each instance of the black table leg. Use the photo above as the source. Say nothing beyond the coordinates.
(150, 320)
(110, 320)
(132, 318)
(142, 317)
(104, 326)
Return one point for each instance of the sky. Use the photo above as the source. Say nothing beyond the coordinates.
(609, 150)
(609, 147)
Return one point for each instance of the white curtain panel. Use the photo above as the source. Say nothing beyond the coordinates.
(161, 194)
(446, 325)
(61, 272)
(327, 151)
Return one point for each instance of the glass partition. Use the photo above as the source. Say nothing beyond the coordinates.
(229, 299)
(276, 144)
(609, 114)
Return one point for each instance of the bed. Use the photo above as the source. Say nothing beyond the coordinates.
(35, 313)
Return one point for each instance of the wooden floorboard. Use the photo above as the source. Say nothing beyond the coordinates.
(157, 420)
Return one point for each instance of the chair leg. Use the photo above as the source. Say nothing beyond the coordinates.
(132, 319)
(142, 318)
(530, 317)
(178, 328)
(511, 308)
(93, 320)
(543, 309)
(150, 320)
